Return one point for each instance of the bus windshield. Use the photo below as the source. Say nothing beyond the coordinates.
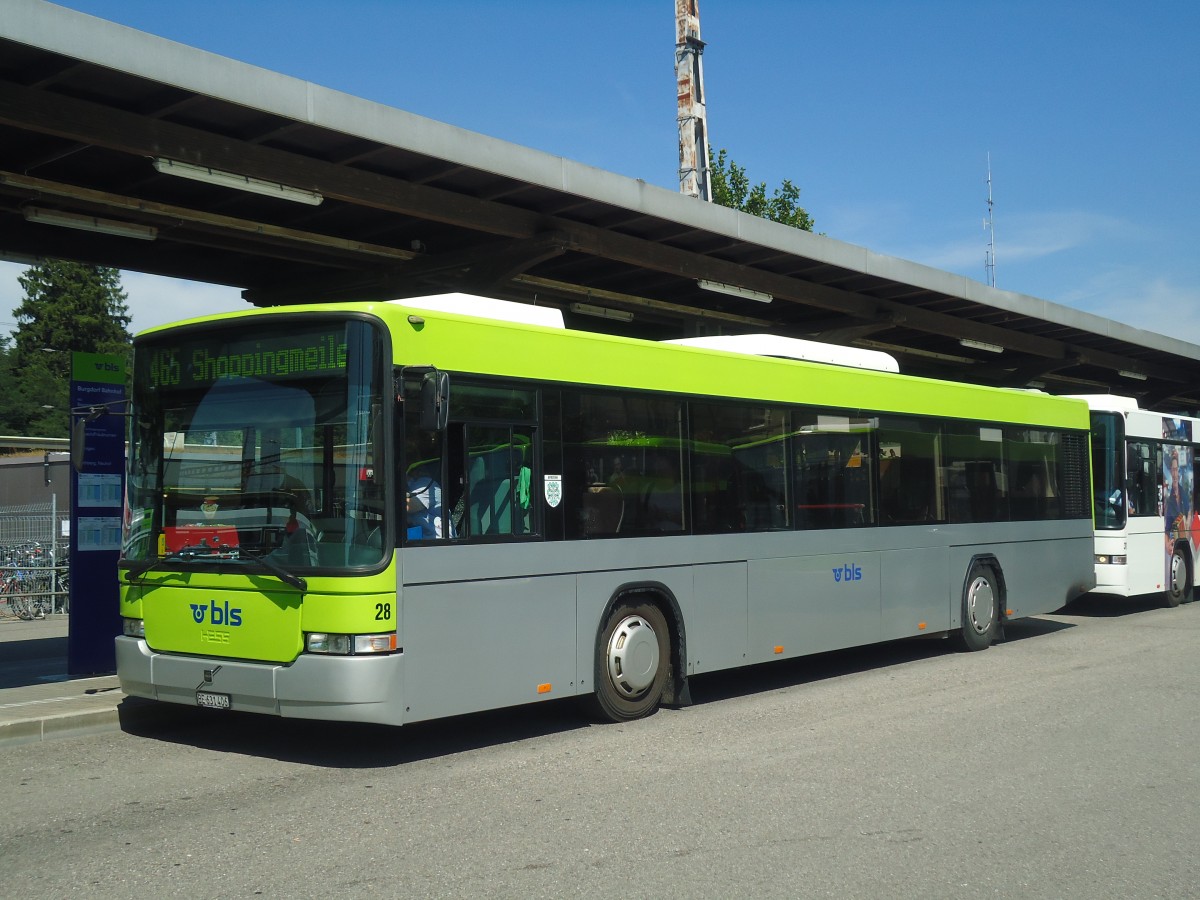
(1108, 474)
(259, 441)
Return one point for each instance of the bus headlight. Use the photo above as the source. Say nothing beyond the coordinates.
(1105, 559)
(349, 644)
(320, 642)
(133, 628)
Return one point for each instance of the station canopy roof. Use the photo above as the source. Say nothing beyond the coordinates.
(320, 195)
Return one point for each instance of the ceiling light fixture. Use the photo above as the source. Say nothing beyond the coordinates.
(720, 287)
(89, 223)
(601, 312)
(237, 182)
(1126, 373)
(981, 345)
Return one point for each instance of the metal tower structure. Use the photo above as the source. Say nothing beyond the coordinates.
(693, 124)
(989, 257)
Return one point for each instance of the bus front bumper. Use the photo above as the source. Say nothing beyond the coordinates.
(336, 688)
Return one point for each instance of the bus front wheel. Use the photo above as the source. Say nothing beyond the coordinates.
(633, 659)
(1179, 588)
(980, 609)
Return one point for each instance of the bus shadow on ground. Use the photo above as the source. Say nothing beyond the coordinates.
(358, 746)
(1032, 627)
(344, 745)
(772, 676)
(766, 677)
(1107, 606)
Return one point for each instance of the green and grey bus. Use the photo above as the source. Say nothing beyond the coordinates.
(388, 513)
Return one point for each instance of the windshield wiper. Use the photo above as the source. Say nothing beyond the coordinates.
(186, 553)
(222, 552)
(273, 567)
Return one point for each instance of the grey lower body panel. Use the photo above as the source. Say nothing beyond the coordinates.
(493, 626)
(336, 688)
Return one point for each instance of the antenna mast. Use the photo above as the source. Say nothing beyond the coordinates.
(989, 257)
(689, 83)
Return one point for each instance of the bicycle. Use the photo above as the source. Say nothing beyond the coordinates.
(61, 598)
(28, 597)
(27, 582)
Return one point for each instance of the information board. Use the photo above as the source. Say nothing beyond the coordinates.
(97, 501)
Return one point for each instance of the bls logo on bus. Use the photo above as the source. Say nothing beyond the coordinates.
(848, 572)
(216, 615)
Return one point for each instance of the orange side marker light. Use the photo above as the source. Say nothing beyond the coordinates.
(779, 648)
(543, 688)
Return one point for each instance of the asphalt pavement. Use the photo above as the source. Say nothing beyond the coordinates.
(39, 701)
(1061, 763)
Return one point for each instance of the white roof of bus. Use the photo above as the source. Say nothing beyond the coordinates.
(1111, 402)
(749, 344)
(795, 348)
(487, 308)
(1139, 422)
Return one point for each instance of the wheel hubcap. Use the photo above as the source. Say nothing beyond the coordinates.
(1178, 574)
(980, 605)
(633, 657)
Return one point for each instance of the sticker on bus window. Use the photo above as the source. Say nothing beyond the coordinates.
(554, 490)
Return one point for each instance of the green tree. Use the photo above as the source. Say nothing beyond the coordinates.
(731, 187)
(33, 400)
(67, 306)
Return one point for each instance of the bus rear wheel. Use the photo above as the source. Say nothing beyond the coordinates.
(980, 609)
(1179, 588)
(633, 658)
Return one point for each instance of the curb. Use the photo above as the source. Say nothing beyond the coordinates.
(98, 712)
(74, 724)
(48, 710)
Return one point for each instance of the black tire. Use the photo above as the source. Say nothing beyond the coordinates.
(1179, 578)
(981, 605)
(633, 660)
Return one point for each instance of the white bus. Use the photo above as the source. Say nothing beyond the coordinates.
(1144, 479)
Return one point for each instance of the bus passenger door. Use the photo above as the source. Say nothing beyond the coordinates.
(1146, 531)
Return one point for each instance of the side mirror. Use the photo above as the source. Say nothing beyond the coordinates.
(435, 400)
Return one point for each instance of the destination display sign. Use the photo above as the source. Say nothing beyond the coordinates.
(223, 356)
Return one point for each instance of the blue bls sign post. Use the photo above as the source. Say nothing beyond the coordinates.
(97, 502)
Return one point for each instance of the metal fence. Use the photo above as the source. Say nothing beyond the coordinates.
(34, 547)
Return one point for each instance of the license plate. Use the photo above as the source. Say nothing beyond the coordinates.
(212, 701)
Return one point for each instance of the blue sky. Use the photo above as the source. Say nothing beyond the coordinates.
(883, 113)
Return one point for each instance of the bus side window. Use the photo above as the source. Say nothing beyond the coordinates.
(622, 465)
(912, 486)
(831, 467)
(1144, 478)
(493, 493)
(739, 478)
(455, 489)
(422, 485)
